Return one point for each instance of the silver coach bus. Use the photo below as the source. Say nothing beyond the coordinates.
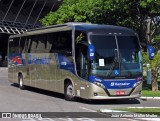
(90, 61)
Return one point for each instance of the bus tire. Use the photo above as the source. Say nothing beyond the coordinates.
(20, 80)
(69, 92)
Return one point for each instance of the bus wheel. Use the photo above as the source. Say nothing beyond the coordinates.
(69, 92)
(20, 79)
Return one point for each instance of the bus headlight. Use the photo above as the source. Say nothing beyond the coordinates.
(136, 84)
(99, 84)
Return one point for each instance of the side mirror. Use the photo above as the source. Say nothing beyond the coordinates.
(91, 51)
(150, 52)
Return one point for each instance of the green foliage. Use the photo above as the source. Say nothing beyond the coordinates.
(73, 11)
(157, 42)
(155, 62)
(103, 11)
(129, 13)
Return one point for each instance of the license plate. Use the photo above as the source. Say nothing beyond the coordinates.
(120, 92)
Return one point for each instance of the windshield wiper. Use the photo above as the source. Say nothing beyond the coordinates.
(113, 64)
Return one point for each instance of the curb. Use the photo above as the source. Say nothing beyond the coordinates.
(146, 98)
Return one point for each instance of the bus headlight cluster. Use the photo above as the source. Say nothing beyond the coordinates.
(136, 84)
(99, 84)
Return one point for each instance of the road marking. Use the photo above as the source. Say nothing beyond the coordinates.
(143, 107)
(88, 109)
(146, 98)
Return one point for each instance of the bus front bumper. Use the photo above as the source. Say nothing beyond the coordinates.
(97, 93)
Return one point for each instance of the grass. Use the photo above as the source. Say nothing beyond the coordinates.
(149, 93)
(147, 89)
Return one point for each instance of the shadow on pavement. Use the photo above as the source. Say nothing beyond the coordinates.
(80, 100)
(41, 91)
(110, 101)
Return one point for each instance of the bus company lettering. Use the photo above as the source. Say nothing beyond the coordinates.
(119, 84)
(98, 80)
(38, 60)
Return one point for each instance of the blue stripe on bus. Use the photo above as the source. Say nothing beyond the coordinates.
(114, 84)
(65, 63)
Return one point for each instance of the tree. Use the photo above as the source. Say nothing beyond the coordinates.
(127, 13)
(73, 11)
(155, 66)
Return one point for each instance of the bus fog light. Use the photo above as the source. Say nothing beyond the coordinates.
(99, 84)
(95, 94)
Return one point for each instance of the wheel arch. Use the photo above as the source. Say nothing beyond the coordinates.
(20, 74)
(69, 80)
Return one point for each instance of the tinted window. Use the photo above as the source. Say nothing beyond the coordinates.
(14, 45)
(105, 48)
(38, 44)
(23, 44)
(51, 42)
(129, 48)
(61, 41)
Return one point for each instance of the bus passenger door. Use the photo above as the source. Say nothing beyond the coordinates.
(82, 65)
(82, 61)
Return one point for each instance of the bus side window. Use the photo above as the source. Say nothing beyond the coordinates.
(14, 45)
(52, 41)
(49, 42)
(41, 44)
(33, 44)
(23, 44)
(62, 42)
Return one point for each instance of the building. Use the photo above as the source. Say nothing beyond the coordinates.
(18, 16)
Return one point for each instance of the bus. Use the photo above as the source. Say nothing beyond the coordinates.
(90, 61)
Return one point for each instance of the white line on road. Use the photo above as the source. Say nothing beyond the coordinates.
(87, 109)
(143, 107)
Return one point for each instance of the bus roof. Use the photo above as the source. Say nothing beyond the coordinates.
(104, 29)
(86, 27)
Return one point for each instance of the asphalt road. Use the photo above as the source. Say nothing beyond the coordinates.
(12, 99)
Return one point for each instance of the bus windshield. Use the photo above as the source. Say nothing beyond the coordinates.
(116, 56)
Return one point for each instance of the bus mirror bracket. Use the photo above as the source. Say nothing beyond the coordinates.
(91, 51)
